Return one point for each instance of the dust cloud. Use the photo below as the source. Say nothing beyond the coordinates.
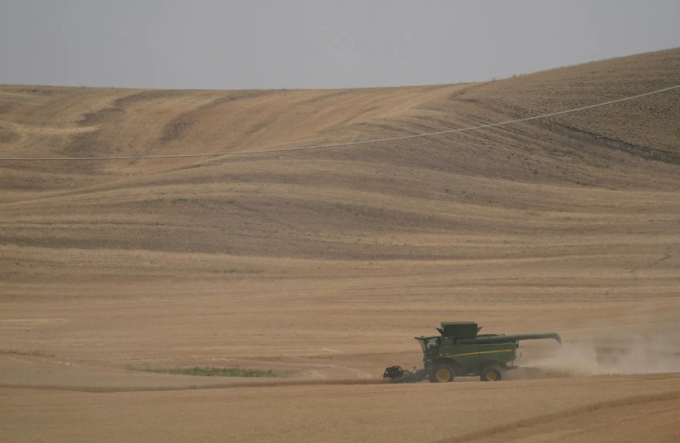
(637, 355)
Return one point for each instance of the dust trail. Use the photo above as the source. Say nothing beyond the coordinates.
(634, 355)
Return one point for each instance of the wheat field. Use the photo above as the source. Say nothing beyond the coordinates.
(324, 264)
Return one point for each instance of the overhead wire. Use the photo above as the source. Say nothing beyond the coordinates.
(345, 144)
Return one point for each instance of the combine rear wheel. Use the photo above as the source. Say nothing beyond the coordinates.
(441, 374)
(492, 373)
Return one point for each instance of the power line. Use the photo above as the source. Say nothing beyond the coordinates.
(342, 144)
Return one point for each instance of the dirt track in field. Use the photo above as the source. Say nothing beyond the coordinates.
(327, 263)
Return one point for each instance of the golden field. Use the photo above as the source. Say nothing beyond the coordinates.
(326, 263)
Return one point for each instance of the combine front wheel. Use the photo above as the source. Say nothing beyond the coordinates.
(441, 374)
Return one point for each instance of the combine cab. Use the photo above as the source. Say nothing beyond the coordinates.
(461, 351)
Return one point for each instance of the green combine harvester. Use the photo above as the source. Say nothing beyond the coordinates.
(461, 351)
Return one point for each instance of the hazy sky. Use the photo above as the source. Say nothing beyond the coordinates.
(316, 44)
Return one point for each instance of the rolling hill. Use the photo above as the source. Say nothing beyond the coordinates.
(325, 262)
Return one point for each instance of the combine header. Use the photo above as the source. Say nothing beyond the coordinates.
(461, 351)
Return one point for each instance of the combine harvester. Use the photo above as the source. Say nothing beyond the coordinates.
(461, 351)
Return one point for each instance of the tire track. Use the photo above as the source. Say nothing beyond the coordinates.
(547, 418)
(267, 384)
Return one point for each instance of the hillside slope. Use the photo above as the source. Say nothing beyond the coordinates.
(415, 198)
